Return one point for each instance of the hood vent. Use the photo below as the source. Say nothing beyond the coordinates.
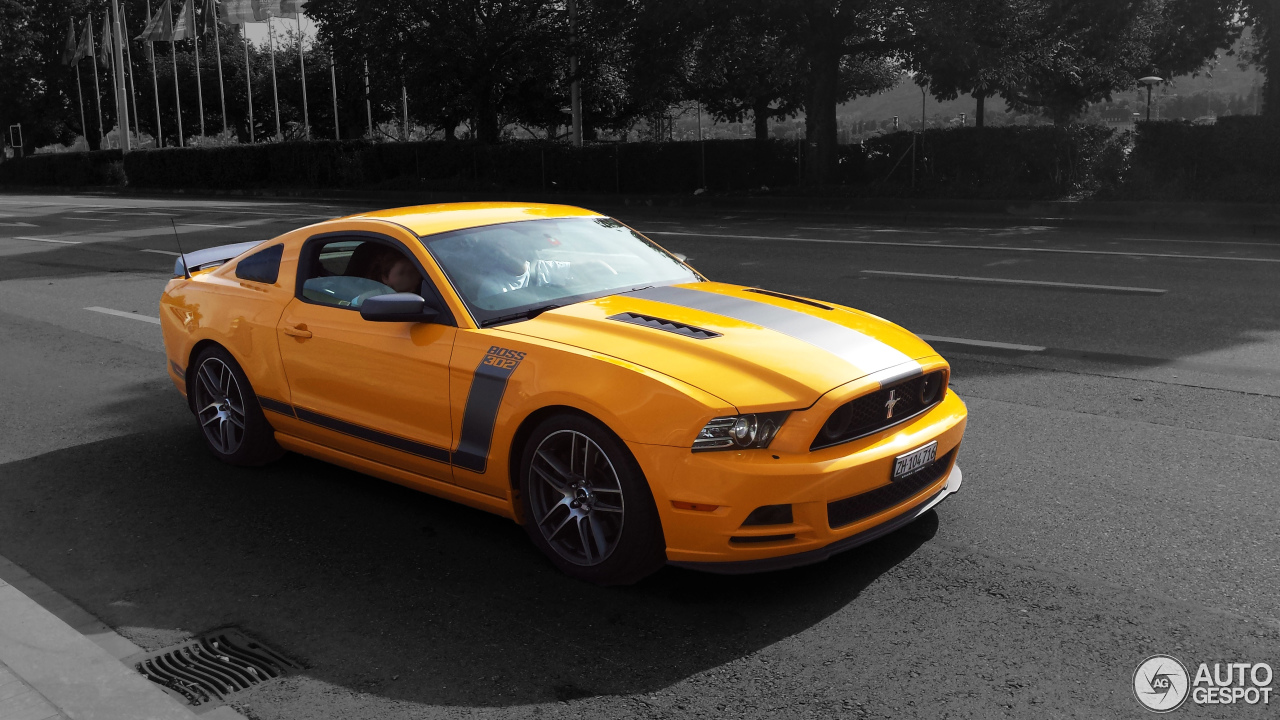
(670, 326)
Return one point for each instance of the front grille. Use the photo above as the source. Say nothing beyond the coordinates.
(210, 668)
(870, 413)
(858, 507)
(670, 326)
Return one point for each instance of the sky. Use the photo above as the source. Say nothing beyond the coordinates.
(258, 31)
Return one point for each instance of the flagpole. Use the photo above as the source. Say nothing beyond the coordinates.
(177, 98)
(97, 89)
(404, 98)
(133, 86)
(195, 39)
(80, 93)
(333, 82)
(117, 51)
(275, 96)
(222, 93)
(302, 69)
(155, 84)
(368, 108)
(115, 85)
(248, 77)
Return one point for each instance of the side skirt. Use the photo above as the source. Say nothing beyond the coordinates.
(470, 498)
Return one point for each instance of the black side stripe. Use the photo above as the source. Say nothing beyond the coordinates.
(395, 442)
(181, 371)
(481, 413)
(276, 406)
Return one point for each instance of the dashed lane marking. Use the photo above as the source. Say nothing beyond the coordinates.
(982, 343)
(123, 314)
(48, 240)
(1033, 283)
(958, 246)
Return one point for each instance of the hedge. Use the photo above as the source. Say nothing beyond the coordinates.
(100, 167)
(1237, 159)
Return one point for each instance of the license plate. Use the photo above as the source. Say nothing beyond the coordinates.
(908, 463)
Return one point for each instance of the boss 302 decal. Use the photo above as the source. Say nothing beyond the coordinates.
(481, 413)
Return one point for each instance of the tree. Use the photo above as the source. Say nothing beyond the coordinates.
(1057, 57)
(1264, 16)
(743, 65)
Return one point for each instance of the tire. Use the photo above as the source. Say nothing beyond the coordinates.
(227, 411)
(594, 518)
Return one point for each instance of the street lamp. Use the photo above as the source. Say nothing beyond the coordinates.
(1149, 81)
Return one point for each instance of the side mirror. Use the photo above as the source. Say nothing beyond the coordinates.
(397, 307)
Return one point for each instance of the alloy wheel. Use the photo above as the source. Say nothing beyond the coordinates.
(576, 497)
(220, 406)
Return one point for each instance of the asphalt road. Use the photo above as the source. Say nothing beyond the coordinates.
(1119, 498)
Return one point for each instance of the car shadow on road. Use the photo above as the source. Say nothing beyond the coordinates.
(378, 588)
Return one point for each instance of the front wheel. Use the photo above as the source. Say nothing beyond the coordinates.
(586, 503)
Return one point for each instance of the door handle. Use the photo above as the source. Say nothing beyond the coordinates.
(298, 331)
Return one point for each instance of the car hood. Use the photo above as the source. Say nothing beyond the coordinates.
(758, 351)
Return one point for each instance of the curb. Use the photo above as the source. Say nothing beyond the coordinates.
(69, 664)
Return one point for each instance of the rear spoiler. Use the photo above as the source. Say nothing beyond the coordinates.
(210, 257)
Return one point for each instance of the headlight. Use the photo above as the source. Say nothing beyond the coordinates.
(755, 430)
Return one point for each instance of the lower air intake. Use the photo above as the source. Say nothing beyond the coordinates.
(859, 507)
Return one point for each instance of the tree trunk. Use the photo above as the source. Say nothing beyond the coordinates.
(486, 117)
(760, 111)
(979, 113)
(1271, 83)
(820, 112)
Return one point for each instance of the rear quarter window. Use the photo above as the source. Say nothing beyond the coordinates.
(262, 266)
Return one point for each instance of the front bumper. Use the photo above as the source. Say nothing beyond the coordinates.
(809, 557)
(686, 484)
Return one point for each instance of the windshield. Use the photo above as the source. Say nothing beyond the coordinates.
(502, 271)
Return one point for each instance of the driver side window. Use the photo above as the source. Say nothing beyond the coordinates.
(346, 272)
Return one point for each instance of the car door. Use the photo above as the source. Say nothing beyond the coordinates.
(378, 390)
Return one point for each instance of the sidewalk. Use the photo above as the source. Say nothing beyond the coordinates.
(58, 661)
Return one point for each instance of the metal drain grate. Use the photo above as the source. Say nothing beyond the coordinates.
(213, 666)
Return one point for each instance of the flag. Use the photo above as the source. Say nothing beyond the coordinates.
(208, 16)
(84, 50)
(239, 12)
(69, 49)
(160, 27)
(105, 52)
(185, 27)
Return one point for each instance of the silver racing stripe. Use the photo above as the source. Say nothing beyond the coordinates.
(863, 352)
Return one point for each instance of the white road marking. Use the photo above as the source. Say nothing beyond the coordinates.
(160, 252)
(232, 227)
(982, 343)
(1044, 283)
(957, 246)
(48, 240)
(123, 314)
(1197, 242)
(18, 224)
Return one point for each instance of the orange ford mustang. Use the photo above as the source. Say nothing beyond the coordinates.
(551, 365)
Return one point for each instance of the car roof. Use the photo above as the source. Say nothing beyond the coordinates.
(432, 219)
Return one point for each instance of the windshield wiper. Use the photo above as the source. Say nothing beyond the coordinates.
(529, 314)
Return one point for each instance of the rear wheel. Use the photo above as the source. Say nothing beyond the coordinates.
(227, 410)
(586, 503)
